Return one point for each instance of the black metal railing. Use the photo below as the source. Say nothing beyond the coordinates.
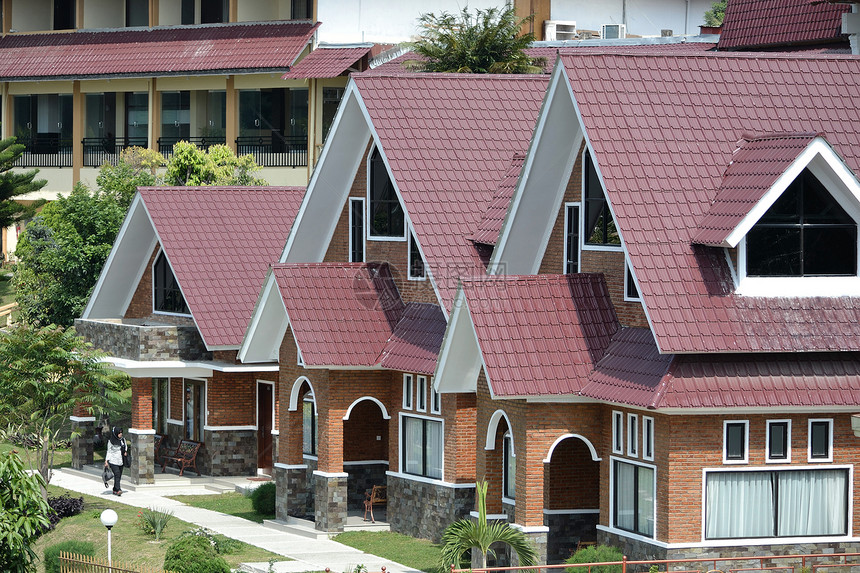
(275, 150)
(101, 150)
(45, 150)
(165, 144)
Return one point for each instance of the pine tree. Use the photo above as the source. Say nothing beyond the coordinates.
(14, 184)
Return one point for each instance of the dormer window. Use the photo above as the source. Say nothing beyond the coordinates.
(386, 214)
(804, 233)
(167, 297)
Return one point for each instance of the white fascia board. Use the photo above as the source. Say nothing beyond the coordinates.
(542, 182)
(159, 368)
(460, 359)
(125, 264)
(268, 325)
(825, 164)
(330, 182)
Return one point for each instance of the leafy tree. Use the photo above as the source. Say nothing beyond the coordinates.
(190, 165)
(714, 16)
(486, 43)
(135, 168)
(44, 373)
(465, 534)
(23, 514)
(61, 253)
(14, 184)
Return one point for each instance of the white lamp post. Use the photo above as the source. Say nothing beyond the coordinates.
(108, 518)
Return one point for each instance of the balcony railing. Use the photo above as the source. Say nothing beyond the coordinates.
(45, 150)
(101, 150)
(275, 151)
(165, 144)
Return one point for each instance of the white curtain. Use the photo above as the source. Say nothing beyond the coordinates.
(812, 502)
(625, 498)
(646, 501)
(434, 449)
(413, 439)
(739, 504)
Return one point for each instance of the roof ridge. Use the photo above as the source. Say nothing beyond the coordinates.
(765, 136)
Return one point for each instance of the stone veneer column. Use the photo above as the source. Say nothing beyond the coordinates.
(82, 444)
(291, 493)
(141, 446)
(330, 507)
(538, 536)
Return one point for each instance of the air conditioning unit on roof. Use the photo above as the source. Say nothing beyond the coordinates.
(559, 30)
(613, 31)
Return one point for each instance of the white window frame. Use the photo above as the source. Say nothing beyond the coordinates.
(435, 399)
(367, 235)
(567, 207)
(421, 393)
(408, 391)
(628, 533)
(829, 457)
(632, 435)
(746, 425)
(617, 432)
(583, 246)
(299, 360)
(787, 458)
(508, 442)
(402, 435)
(364, 224)
(409, 242)
(647, 438)
(628, 276)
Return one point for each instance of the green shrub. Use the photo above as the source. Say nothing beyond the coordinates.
(596, 554)
(52, 553)
(263, 499)
(194, 554)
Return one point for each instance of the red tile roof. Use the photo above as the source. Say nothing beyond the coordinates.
(663, 130)
(200, 49)
(543, 334)
(491, 224)
(755, 167)
(326, 62)
(449, 140)
(758, 23)
(340, 313)
(414, 344)
(220, 241)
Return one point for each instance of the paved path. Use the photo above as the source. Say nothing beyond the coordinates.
(306, 554)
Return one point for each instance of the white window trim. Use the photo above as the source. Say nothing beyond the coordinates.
(583, 245)
(434, 395)
(367, 235)
(746, 458)
(401, 458)
(257, 409)
(408, 391)
(299, 360)
(628, 275)
(612, 460)
(364, 224)
(632, 435)
(617, 431)
(567, 207)
(152, 286)
(787, 459)
(647, 437)
(508, 438)
(809, 458)
(411, 240)
(776, 540)
(420, 386)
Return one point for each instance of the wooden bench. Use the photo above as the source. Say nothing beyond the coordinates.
(376, 496)
(184, 456)
(157, 443)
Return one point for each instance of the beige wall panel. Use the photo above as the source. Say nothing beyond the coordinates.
(119, 85)
(104, 14)
(284, 175)
(59, 180)
(169, 12)
(185, 83)
(258, 81)
(31, 15)
(28, 88)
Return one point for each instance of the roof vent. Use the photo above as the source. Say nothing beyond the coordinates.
(559, 30)
(613, 31)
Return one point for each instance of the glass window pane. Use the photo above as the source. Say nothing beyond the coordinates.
(830, 251)
(645, 506)
(735, 441)
(625, 496)
(413, 445)
(819, 439)
(739, 504)
(778, 440)
(774, 251)
(434, 449)
(813, 502)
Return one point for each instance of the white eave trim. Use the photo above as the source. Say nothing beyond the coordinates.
(460, 362)
(178, 368)
(268, 325)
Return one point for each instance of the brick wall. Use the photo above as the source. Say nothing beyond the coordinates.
(141, 403)
(141, 302)
(365, 433)
(572, 478)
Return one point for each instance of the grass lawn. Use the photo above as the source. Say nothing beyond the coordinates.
(231, 503)
(62, 458)
(129, 544)
(419, 554)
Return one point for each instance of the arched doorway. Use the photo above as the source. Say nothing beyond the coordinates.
(365, 451)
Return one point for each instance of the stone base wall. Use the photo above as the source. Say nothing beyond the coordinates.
(293, 495)
(229, 453)
(141, 448)
(361, 479)
(566, 530)
(82, 445)
(424, 510)
(330, 510)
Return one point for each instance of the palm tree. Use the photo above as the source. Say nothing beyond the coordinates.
(465, 534)
(486, 43)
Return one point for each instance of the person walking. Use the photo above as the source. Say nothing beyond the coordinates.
(116, 453)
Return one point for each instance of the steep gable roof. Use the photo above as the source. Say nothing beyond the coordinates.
(327, 62)
(751, 24)
(488, 229)
(208, 48)
(414, 343)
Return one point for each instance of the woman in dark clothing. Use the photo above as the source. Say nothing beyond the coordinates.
(116, 450)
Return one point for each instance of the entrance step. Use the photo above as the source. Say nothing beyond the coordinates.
(296, 526)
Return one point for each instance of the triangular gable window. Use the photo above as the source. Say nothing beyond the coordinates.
(166, 294)
(599, 224)
(804, 233)
(386, 214)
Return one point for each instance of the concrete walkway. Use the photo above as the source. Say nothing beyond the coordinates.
(306, 554)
